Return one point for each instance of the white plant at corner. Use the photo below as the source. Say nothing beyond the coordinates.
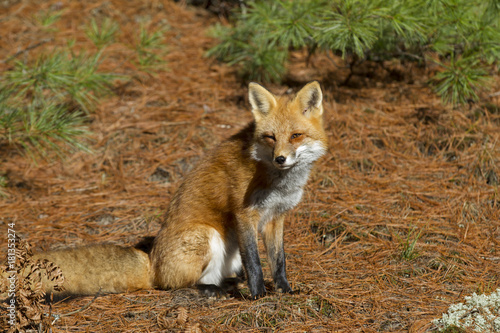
(480, 313)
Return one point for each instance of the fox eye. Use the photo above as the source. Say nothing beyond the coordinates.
(270, 137)
(296, 135)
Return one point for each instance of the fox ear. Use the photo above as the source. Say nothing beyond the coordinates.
(310, 99)
(261, 99)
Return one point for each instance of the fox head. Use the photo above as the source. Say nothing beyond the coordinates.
(288, 132)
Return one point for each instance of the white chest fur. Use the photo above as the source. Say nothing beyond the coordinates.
(284, 193)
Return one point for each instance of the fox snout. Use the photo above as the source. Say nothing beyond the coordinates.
(281, 162)
(280, 159)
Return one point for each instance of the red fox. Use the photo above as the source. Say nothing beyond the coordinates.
(242, 189)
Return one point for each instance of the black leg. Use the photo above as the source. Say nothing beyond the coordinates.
(247, 237)
(273, 240)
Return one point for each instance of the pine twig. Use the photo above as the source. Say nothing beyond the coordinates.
(351, 72)
(333, 61)
(29, 48)
(83, 308)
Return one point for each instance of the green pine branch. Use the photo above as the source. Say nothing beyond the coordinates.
(43, 105)
(103, 33)
(45, 102)
(464, 35)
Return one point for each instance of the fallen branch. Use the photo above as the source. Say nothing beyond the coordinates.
(31, 47)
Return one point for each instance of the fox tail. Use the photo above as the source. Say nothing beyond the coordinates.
(99, 269)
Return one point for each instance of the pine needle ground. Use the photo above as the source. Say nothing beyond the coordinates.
(403, 173)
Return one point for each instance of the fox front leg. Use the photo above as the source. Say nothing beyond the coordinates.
(273, 240)
(247, 238)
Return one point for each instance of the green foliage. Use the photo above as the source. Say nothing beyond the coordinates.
(66, 77)
(46, 18)
(408, 245)
(150, 47)
(43, 126)
(45, 102)
(461, 37)
(42, 105)
(258, 61)
(460, 80)
(3, 184)
(348, 26)
(101, 34)
(260, 40)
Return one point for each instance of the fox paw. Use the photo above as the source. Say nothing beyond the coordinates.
(212, 291)
(228, 287)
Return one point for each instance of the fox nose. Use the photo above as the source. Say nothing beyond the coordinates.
(280, 159)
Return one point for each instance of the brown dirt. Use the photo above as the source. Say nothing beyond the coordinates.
(400, 166)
